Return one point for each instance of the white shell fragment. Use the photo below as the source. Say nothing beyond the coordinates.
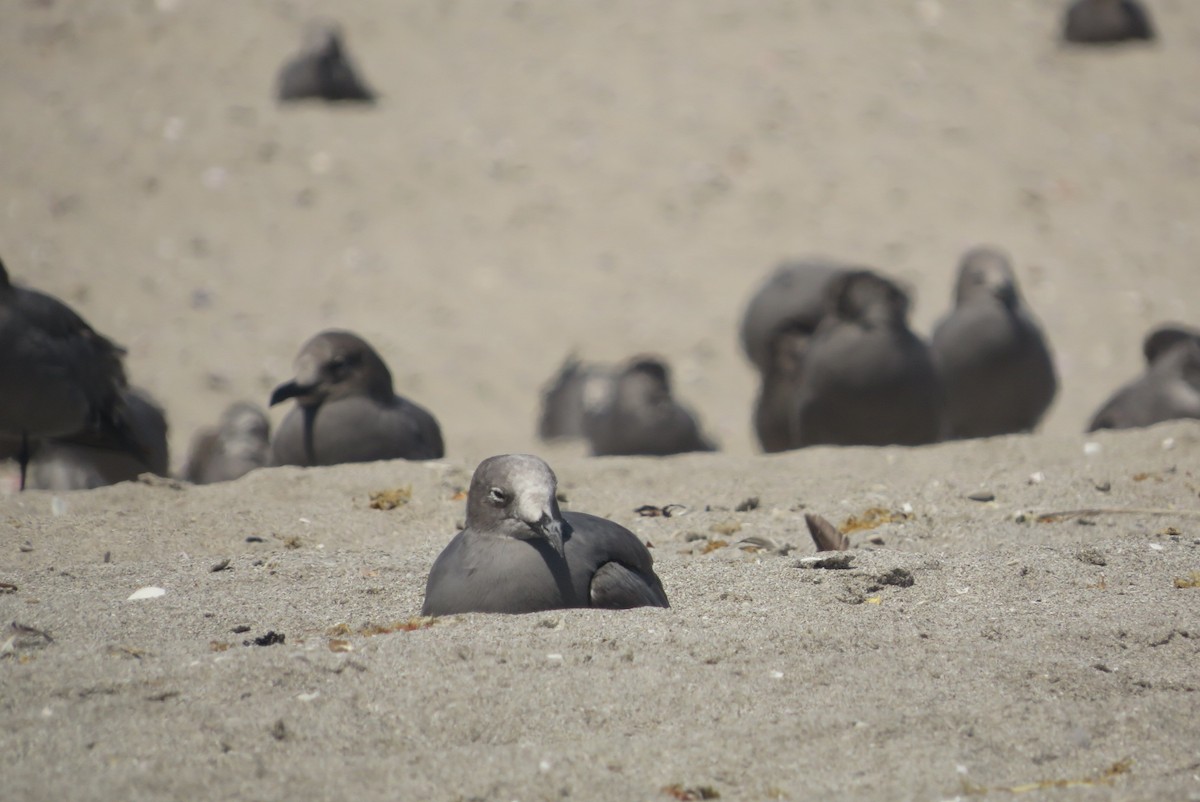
(148, 592)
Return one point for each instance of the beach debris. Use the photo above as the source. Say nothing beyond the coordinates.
(665, 511)
(747, 505)
(163, 696)
(685, 794)
(757, 543)
(871, 518)
(132, 652)
(26, 547)
(834, 561)
(7, 587)
(220, 566)
(825, 534)
(1066, 515)
(898, 577)
(982, 495)
(1191, 581)
(1036, 478)
(1105, 777)
(154, 480)
(255, 539)
(713, 545)
(1103, 487)
(1092, 448)
(726, 528)
(1091, 555)
(148, 592)
(369, 630)
(340, 645)
(270, 639)
(289, 541)
(25, 636)
(391, 499)
(218, 646)
(279, 730)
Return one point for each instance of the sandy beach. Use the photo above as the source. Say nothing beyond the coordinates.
(610, 178)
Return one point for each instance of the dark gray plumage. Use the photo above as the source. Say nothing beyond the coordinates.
(1103, 22)
(776, 410)
(59, 378)
(520, 554)
(237, 445)
(642, 417)
(867, 379)
(346, 410)
(995, 364)
(65, 465)
(322, 69)
(1169, 388)
(792, 297)
(778, 323)
(576, 388)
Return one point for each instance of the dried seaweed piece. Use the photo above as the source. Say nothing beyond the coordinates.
(288, 541)
(678, 791)
(1192, 581)
(872, 518)
(1105, 777)
(1066, 515)
(391, 499)
(713, 545)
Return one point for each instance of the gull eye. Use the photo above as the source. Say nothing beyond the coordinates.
(497, 497)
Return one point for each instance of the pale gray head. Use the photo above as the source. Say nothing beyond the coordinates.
(645, 380)
(513, 495)
(336, 364)
(323, 38)
(986, 272)
(243, 421)
(1165, 337)
(864, 296)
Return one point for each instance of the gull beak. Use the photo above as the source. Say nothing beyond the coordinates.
(288, 390)
(552, 530)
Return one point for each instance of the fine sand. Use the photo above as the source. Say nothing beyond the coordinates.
(611, 177)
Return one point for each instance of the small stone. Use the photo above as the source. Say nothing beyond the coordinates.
(982, 495)
(1103, 487)
(837, 560)
(1091, 555)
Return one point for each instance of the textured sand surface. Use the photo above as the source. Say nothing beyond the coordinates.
(615, 177)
